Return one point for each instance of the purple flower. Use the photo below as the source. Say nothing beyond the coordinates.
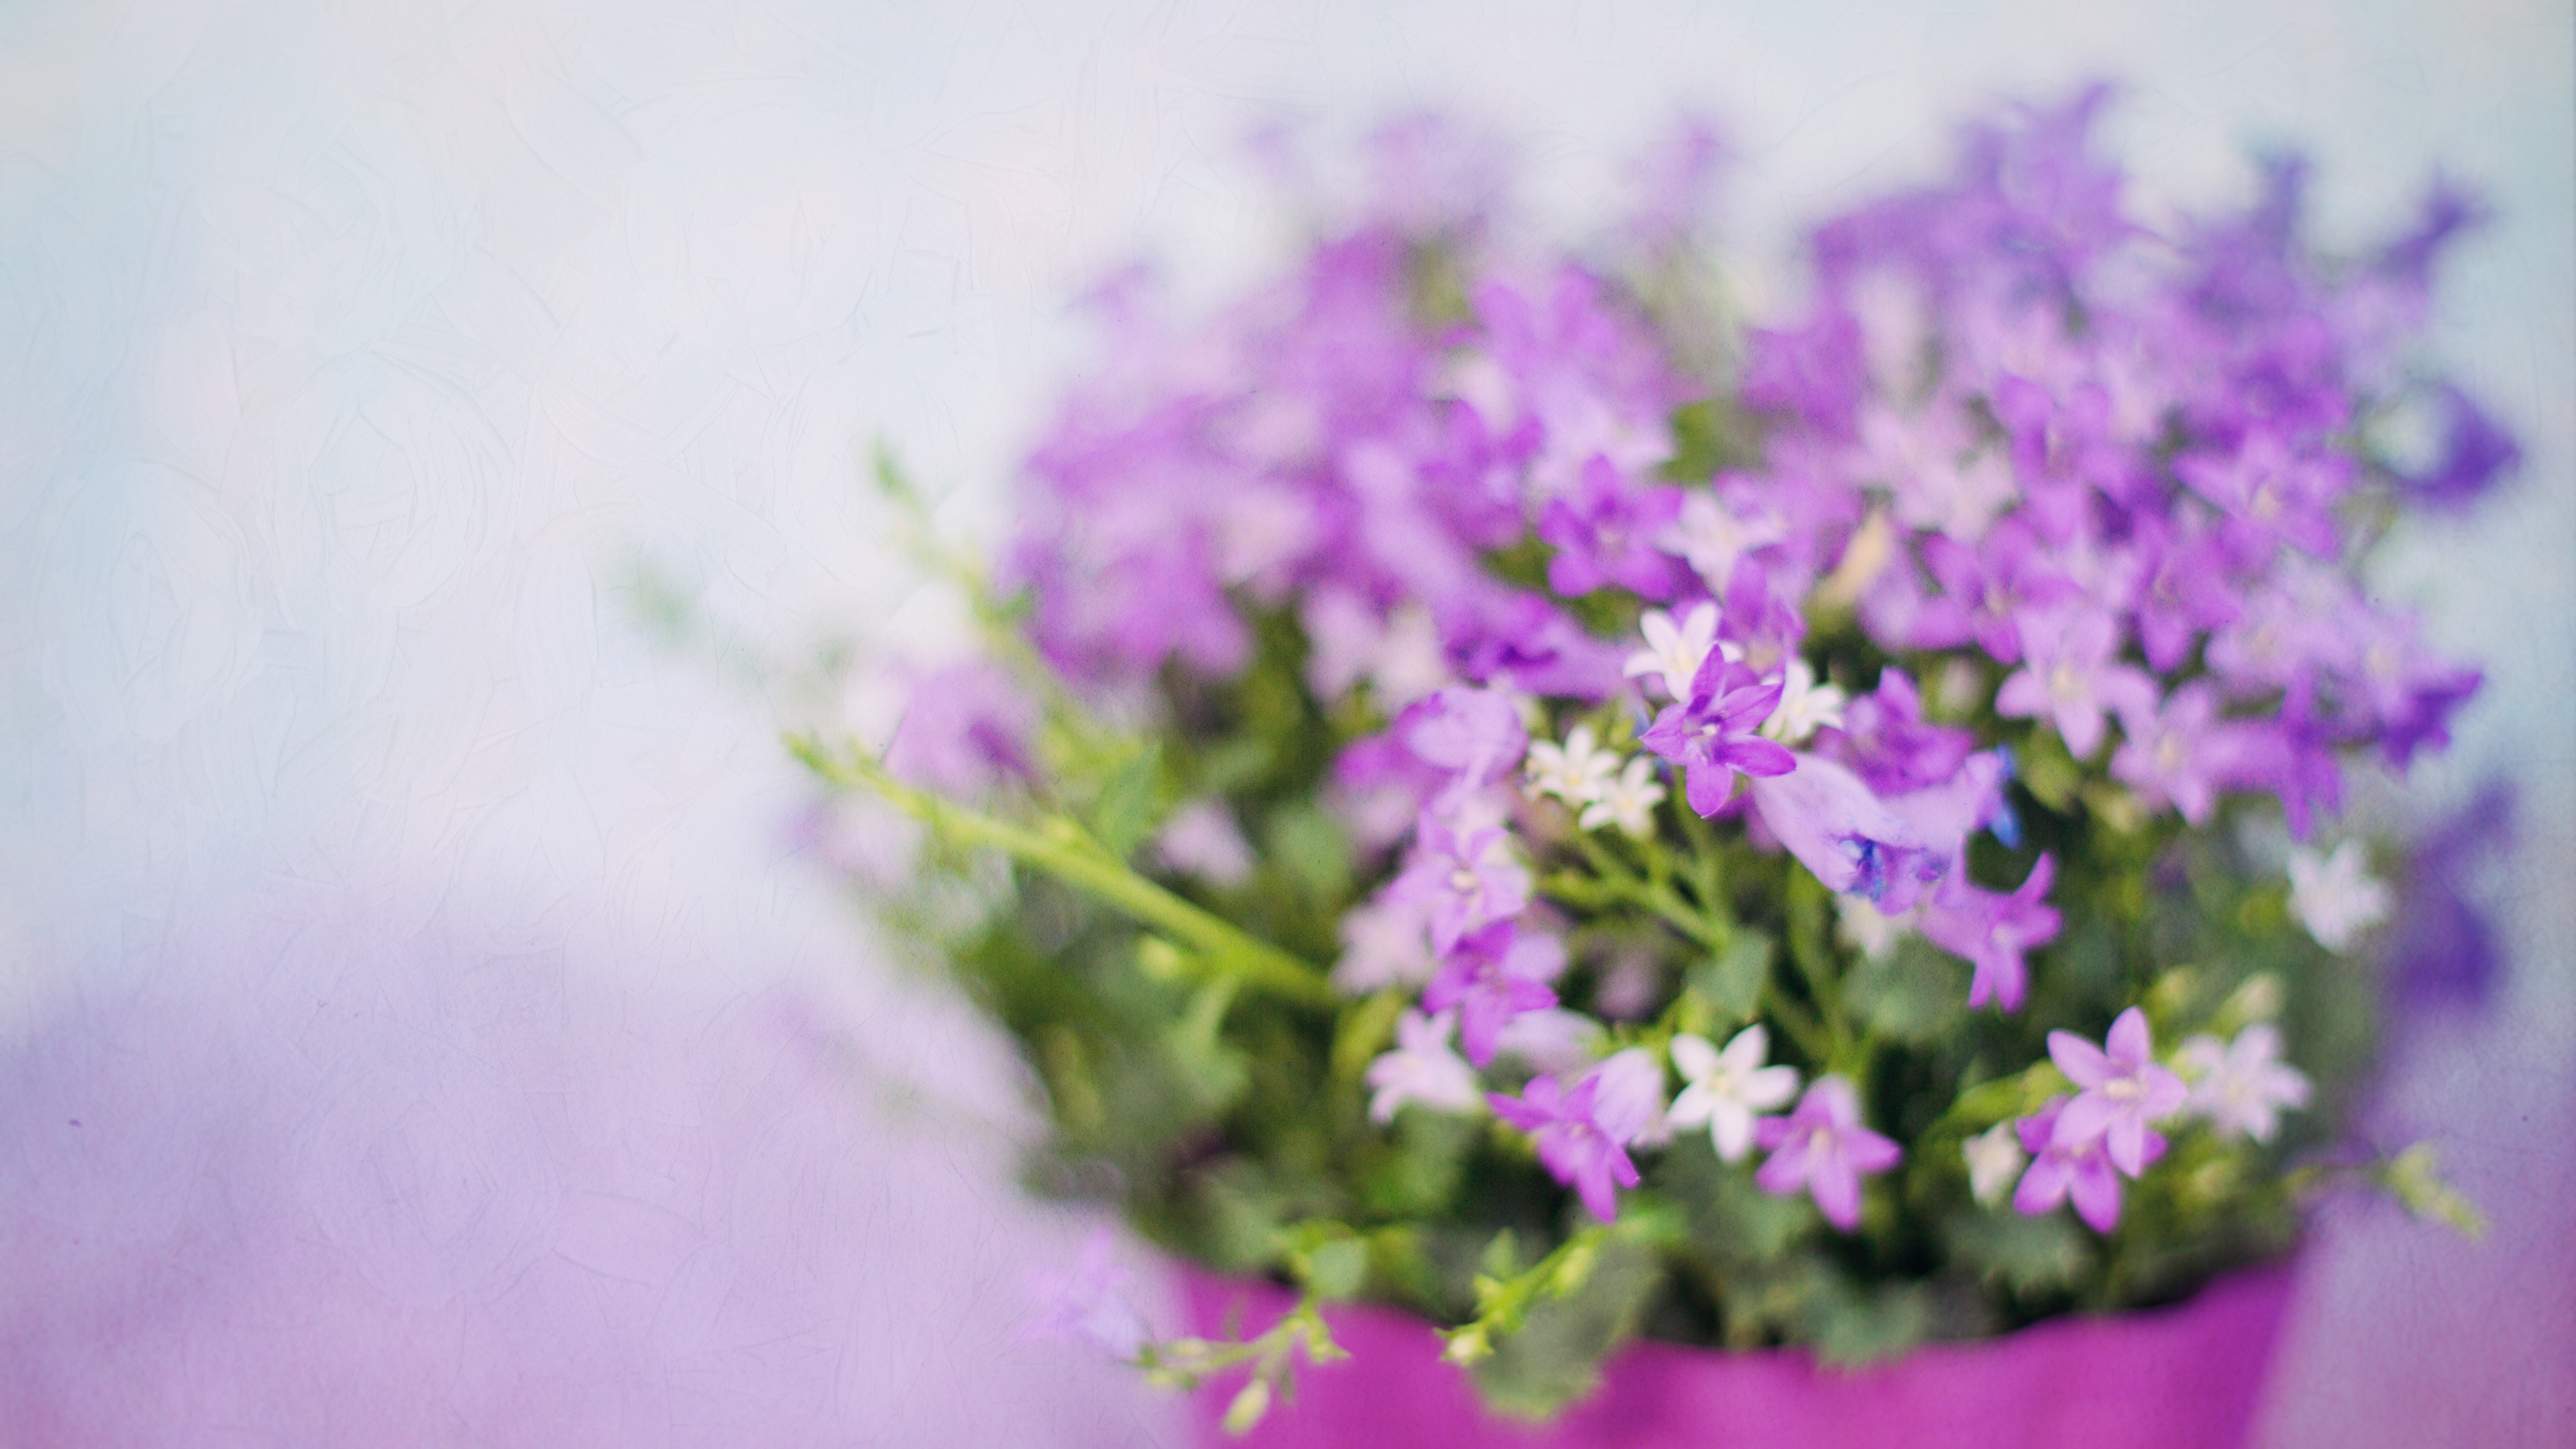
(2178, 753)
(1465, 876)
(1988, 589)
(1475, 733)
(2061, 1168)
(2475, 453)
(1605, 534)
(2184, 588)
(1848, 837)
(1629, 1104)
(2270, 494)
(1421, 1069)
(1992, 932)
(1087, 1302)
(1491, 976)
(967, 725)
(2070, 677)
(1822, 1147)
(1716, 731)
(2123, 1090)
(1886, 741)
(1573, 1144)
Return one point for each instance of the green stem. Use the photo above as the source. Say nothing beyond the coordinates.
(1064, 852)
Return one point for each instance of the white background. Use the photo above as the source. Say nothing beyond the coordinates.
(456, 1051)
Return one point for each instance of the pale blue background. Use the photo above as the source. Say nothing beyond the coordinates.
(460, 1057)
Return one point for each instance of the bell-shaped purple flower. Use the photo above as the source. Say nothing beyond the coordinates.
(1492, 976)
(1826, 817)
(1715, 732)
(1822, 1147)
(2070, 674)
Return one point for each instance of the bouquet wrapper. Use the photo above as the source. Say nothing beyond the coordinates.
(2189, 1376)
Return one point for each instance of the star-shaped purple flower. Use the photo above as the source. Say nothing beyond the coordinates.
(1605, 534)
(1465, 877)
(2123, 1090)
(1822, 1147)
(1993, 931)
(1573, 1144)
(2060, 1169)
(1713, 733)
(1494, 975)
(2070, 675)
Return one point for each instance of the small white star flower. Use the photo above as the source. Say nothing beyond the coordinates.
(1628, 802)
(1727, 1088)
(1995, 1161)
(2335, 896)
(1673, 653)
(2241, 1087)
(1805, 706)
(1574, 772)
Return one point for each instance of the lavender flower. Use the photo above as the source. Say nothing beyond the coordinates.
(1629, 1104)
(1201, 839)
(2240, 1087)
(1385, 942)
(1993, 932)
(1822, 1147)
(968, 725)
(1727, 1089)
(1422, 1069)
(1714, 733)
(1474, 733)
(1491, 976)
(1464, 876)
(2123, 1090)
(2177, 754)
(2069, 675)
(2078, 1167)
(1713, 539)
(1573, 1144)
(1605, 534)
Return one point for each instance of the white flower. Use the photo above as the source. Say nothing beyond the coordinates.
(1805, 706)
(1573, 772)
(1728, 1087)
(1673, 654)
(1628, 802)
(2242, 1087)
(1995, 1161)
(1712, 539)
(1865, 930)
(1423, 1069)
(2334, 896)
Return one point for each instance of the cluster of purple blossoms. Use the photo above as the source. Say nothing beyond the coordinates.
(2092, 487)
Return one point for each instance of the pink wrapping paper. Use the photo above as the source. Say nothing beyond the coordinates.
(2187, 1377)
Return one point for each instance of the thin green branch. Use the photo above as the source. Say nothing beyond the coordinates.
(1063, 850)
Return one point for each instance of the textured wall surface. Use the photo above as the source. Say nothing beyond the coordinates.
(414, 1025)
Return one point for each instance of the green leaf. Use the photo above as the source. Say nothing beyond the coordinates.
(1313, 848)
(1915, 992)
(1727, 1218)
(2028, 1254)
(1130, 803)
(1555, 1357)
(1732, 981)
(1860, 1326)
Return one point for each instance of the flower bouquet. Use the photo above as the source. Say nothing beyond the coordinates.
(1495, 786)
